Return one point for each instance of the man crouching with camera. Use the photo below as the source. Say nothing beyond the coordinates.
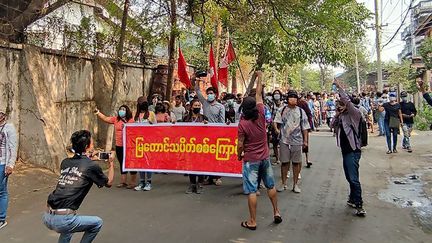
(77, 175)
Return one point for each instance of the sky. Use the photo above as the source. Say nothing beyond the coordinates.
(393, 12)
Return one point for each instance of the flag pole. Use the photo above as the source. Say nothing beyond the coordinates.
(238, 65)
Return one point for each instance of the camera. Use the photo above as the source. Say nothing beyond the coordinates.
(104, 155)
(201, 74)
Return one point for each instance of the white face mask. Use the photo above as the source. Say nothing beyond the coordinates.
(277, 97)
(392, 98)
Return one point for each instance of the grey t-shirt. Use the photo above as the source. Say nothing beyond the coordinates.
(215, 112)
(291, 131)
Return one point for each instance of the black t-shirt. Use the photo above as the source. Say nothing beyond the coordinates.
(77, 176)
(344, 142)
(391, 110)
(408, 108)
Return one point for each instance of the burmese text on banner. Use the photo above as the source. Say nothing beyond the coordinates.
(188, 148)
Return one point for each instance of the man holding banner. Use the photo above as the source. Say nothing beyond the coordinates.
(253, 150)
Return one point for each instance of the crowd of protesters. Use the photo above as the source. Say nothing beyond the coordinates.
(275, 121)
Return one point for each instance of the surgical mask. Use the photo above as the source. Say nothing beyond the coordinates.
(196, 110)
(392, 98)
(210, 97)
(404, 99)
(122, 113)
(277, 97)
(230, 102)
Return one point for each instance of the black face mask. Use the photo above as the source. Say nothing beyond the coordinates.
(196, 110)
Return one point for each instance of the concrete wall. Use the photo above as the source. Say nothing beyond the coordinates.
(50, 96)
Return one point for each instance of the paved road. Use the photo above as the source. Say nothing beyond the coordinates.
(166, 214)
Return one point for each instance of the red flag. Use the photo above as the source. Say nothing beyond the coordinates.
(182, 70)
(213, 74)
(225, 62)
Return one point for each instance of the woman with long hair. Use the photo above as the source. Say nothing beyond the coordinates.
(124, 115)
(144, 116)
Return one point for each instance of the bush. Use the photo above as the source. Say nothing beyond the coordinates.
(423, 120)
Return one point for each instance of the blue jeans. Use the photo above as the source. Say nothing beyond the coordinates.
(407, 129)
(145, 177)
(389, 132)
(253, 172)
(4, 196)
(66, 225)
(351, 167)
(381, 124)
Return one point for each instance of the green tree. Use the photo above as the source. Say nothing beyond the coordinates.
(402, 76)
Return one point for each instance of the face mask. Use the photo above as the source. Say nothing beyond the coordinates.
(277, 97)
(404, 99)
(210, 97)
(230, 102)
(122, 113)
(392, 98)
(196, 110)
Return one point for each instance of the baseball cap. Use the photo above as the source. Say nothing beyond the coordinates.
(292, 94)
(404, 94)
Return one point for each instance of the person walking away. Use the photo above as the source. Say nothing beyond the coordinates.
(8, 156)
(347, 120)
(178, 110)
(392, 121)
(292, 124)
(213, 110)
(194, 116)
(253, 151)
(124, 116)
(408, 113)
(144, 116)
(77, 176)
(357, 103)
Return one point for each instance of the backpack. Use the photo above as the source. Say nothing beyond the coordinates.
(363, 132)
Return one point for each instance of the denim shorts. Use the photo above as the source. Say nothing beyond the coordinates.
(253, 171)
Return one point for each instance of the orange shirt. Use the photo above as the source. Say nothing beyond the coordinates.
(118, 126)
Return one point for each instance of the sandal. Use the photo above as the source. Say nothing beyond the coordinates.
(121, 185)
(277, 219)
(244, 224)
(130, 186)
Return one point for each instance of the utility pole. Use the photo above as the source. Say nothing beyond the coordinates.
(357, 69)
(378, 45)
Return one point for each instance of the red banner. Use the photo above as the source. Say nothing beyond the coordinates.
(186, 148)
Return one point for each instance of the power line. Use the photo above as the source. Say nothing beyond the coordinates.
(392, 10)
(400, 26)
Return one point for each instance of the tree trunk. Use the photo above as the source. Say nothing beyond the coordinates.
(171, 47)
(234, 83)
(117, 67)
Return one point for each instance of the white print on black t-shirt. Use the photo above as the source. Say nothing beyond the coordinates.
(69, 176)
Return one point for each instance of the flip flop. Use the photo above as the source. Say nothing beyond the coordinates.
(244, 224)
(277, 219)
(121, 185)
